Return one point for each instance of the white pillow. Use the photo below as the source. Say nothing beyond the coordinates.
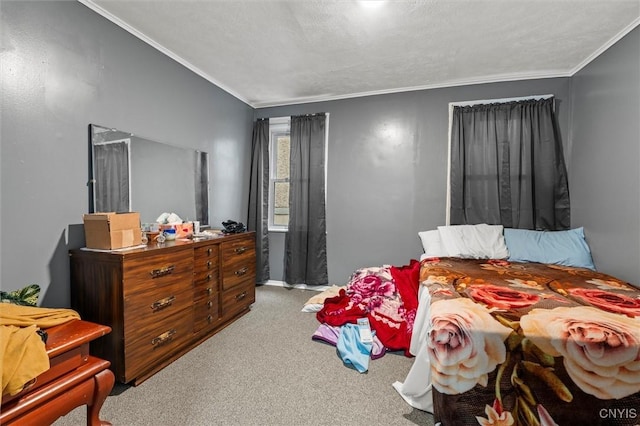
(474, 241)
(431, 244)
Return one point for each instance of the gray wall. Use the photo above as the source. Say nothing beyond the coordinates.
(387, 164)
(605, 151)
(63, 67)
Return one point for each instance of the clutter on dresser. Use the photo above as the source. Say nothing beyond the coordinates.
(233, 227)
(169, 227)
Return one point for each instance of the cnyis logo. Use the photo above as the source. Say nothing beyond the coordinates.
(618, 413)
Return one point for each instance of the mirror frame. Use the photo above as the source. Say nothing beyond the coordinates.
(199, 160)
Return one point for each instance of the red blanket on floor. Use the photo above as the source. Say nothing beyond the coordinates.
(387, 295)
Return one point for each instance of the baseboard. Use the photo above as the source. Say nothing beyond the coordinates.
(297, 286)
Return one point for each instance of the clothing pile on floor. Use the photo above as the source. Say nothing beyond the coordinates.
(387, 296)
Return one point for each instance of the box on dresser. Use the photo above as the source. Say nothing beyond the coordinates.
(109, 231)
(164, 299)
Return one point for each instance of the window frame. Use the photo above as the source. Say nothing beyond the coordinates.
(277, 126)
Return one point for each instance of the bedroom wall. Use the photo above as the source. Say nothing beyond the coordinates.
(605, 152)
(387, 165)
(63, 67)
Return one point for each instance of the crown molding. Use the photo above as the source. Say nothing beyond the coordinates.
(99, 10)
(325, 98)
(452, 83)
(606, 46)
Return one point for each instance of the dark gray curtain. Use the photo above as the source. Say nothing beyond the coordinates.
(202, 187)
(257, 218)
(111, 174)
(306, 240)
(507, 166)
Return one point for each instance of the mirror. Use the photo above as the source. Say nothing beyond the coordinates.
(131, 173)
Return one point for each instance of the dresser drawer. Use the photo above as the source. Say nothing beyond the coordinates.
(157, 271)
(152, 344)
(147, 310)
(206, 278)
(206, 313)
(205, 289)
(206, 256)
(238, 298)
(206, 259)
(238, 262)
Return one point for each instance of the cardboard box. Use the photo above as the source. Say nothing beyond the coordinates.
(109, 231)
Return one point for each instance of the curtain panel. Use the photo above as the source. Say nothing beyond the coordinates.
(202, 187)
(257, 217)
(306, 240)
(507, 166)
(111, 171)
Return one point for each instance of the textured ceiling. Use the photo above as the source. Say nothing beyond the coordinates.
(284, 52)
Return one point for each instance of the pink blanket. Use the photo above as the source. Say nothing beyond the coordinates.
(387, 295)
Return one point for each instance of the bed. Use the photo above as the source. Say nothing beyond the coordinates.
(506, 327)
(530, 336)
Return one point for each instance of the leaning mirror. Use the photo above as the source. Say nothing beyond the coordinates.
(132, 173)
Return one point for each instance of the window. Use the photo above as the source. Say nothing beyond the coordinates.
(279, 174)
(506, 165)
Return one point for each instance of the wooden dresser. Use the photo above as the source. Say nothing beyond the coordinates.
(162, 300)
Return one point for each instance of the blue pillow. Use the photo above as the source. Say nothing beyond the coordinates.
(567, 248)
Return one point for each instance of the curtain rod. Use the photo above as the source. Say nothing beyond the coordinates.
(503, 100)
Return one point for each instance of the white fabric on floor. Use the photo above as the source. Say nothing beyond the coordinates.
(416, 389)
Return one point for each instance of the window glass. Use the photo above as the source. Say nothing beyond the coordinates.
(279, 176)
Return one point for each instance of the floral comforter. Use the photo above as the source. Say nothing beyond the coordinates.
(531, 344)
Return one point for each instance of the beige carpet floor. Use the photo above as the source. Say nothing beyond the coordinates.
(264, 369)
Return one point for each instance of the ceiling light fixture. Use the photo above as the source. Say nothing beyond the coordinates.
(372, 4)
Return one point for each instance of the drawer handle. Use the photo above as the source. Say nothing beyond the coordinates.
(209, 265)
(209, 251)
(163, 338)
(157, 273)
(242, 271)
(209, 277)
(209, 304)
(162, 303)
(209, 290)
(241, 295)
(209, 319)
(240, 250)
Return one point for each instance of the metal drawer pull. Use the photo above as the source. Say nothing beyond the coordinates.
(209, 304)
(209, 277)
(241, 271)
(240, 250)
(162, 303)
(241, 295)
(163, 338)
(209, 265)
(156, 273)
(209, 290)
(209, 251)
(209, 319)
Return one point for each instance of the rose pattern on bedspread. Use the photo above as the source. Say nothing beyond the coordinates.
(600, 350)
(531, 344)
(608, 301)
(461, 356)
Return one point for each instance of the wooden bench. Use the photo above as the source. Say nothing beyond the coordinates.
(74, 378)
